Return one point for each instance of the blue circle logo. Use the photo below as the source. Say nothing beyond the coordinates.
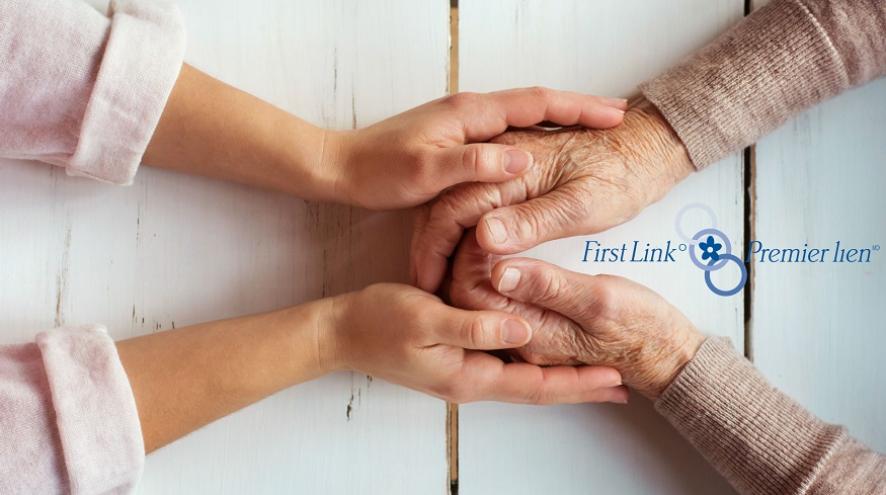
(715, 248)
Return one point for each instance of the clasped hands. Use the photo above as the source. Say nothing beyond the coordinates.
(571, 337)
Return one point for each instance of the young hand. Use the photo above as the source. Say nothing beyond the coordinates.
(408, 159)
(210, 128)
(411, 338)
(583, 181)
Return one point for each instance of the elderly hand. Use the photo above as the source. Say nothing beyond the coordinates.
(408, 159)
(583, 181)
(601, 319)
(409, 337)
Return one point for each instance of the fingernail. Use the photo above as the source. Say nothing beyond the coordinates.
(497, 230)
(516, 161)
(509, 280)
(616, 102)
(613, 112)
(514, 332)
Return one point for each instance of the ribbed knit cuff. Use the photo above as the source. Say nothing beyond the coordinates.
(95, 411)
(140, 65)
(754, 435)
(773, 64)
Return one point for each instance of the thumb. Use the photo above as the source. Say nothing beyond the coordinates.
(574, 295)
(516, 228)
(478, 162)
(481, 330)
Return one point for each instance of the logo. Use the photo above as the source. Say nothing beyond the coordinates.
(710, 250)
(714, 255)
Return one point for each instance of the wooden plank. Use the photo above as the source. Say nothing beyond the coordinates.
(605, 48)
(173, 250)
(817, 332)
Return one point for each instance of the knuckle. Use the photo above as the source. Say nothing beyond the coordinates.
(420, 167)
(531, 222)
(420, 158)
(604, 297)
(466, 203)
(446, 207)
(473, 331)
(536, 395)
(551, 287)
(377, 290)
(463, 100)
(452, 390)
(472, 158)
(540, 92)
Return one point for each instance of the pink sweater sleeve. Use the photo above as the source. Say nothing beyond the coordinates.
(82, 90)
(68, 420)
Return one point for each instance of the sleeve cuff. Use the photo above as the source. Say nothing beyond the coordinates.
(141, 62)
(95, 410)
(747, 82)
(754, 435)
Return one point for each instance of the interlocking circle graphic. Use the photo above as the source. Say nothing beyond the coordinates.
(710, 241)
(734, 290)
(678, 222)
(714, 264)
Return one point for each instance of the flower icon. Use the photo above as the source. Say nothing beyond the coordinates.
(709, 249)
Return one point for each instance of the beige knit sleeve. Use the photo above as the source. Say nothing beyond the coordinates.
(783, 58)
(757, 437)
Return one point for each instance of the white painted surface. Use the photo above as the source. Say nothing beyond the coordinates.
(174, 249)
(604, 48)
(818, 332)
(818, 328)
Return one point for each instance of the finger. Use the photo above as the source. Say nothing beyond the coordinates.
(488, 115)
(439, 228)
(470, 286)
(478, 162)
(512, 229)
(482, 330)
(571, 294)
(493, 379)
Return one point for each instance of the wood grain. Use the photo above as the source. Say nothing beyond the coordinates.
(817, 329)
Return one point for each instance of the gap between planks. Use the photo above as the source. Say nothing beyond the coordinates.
(451, 408)
(749, 164)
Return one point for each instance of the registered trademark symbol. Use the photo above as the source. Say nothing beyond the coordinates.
(876, 247)
(682, 247)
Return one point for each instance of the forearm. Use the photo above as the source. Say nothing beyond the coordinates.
(761, 440)
(782, 59)
(183, 379)
(210, 128)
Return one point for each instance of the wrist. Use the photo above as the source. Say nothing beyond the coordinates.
(310, 165)
(330, 337)
(334, 165)
(668, 367)
(651, 149)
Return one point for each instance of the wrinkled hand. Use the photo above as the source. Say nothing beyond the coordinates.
(408, 159)
(409, 337)
(583, 181)
(601, 319)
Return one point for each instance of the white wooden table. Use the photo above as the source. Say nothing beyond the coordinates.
(173, 250)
